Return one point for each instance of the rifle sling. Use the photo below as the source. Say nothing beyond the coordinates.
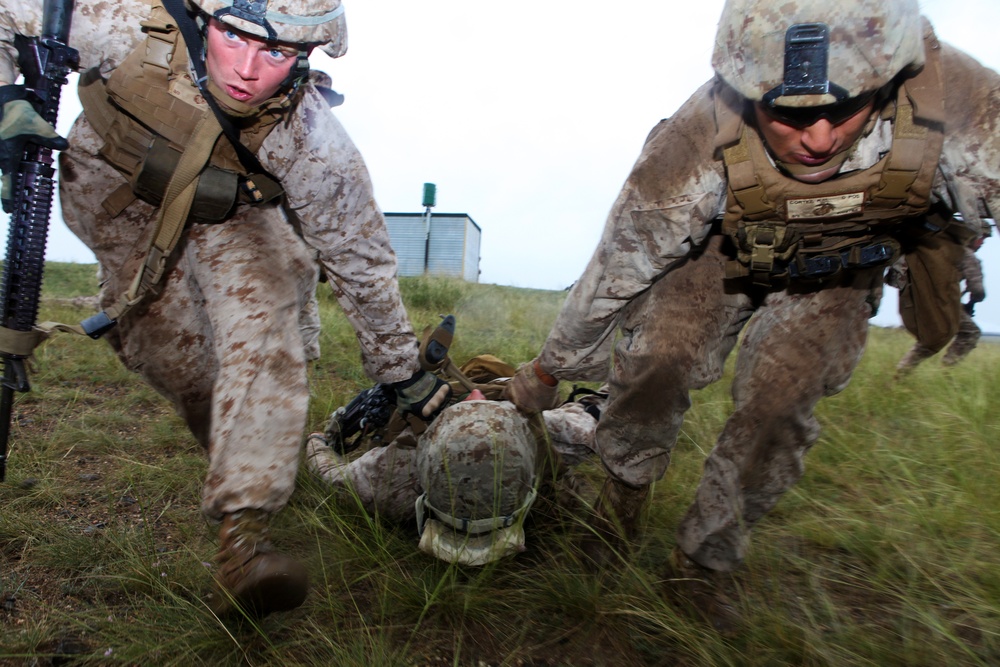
(170, 220)
(14, 343)
(192, 38)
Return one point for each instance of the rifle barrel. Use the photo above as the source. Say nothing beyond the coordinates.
(56, 19)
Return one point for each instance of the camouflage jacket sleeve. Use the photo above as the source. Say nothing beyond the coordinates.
(103, 31)
(972, 272)
(329, 194)
(675, 190)
(970, 158)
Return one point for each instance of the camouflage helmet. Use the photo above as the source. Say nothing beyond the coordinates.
(309, 22)
(805, 53)
(477, 465)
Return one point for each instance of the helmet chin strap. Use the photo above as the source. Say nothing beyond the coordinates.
(296, 77)
(299, 72)
(237, 109)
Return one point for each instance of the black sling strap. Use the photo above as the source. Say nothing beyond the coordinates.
(192, 38)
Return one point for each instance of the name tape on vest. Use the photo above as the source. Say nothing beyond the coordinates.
(805, 208)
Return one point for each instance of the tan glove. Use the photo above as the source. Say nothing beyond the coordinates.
(20, 124)
(532, 389)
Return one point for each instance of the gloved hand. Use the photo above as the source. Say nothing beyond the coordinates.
(19, 125)
(977, 295)
(423, 395)
(530, 392)
(896, 276)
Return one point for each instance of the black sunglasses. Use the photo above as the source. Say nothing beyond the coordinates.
(802, 117)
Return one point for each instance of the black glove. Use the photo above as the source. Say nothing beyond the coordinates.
(20, 124)
(423, 395)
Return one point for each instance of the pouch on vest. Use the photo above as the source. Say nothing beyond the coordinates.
(217, 188)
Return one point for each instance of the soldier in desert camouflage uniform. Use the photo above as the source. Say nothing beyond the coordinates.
(227, 330)
(965, 340)
(969, 332)
(835, 136)
(481, 460)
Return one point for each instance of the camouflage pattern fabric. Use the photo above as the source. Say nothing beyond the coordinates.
(964, 342)
(225, 338)
(968, 334)
(656, 278)
(872, 41)
(385, 480)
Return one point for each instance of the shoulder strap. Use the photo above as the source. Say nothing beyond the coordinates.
(170, 220)
(189, 31)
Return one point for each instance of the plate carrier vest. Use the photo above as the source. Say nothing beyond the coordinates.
(147, 111)
(785, 229)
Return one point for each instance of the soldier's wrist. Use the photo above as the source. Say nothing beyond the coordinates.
(546, 378)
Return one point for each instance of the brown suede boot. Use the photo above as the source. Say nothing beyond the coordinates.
(252, 577)
(615, 523)
(698, 588)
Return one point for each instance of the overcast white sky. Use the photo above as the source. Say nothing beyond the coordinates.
(529, 119)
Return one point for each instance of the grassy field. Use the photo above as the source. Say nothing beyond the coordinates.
(887, 552)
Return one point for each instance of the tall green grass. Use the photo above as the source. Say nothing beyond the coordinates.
(887, 552)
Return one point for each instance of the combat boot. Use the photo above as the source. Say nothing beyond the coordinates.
(615, 522)
(698, 589)
(913, 357)
(251, 576)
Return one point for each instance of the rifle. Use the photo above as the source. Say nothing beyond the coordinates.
(372, 409)
(368, 411)
(45, 62)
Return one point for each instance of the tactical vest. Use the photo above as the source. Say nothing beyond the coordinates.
(785, 229)
(146, 112)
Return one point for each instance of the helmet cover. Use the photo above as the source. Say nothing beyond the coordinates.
(771, 47)
(477, 465)
(307, 22)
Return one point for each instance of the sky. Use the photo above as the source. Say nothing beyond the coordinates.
(529, 120)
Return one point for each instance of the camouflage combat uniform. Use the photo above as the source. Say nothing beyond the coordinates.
(969, 332)
(226, 336)
(658, 276)
(385, 479)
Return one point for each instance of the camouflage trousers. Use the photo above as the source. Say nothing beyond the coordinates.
(964, 341)
(798, 346)
(962, 344)
(221, 338)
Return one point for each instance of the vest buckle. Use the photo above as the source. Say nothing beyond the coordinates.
(762, 244)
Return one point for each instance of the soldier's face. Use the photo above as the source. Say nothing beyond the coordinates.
(249, 69)
(813, 144)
